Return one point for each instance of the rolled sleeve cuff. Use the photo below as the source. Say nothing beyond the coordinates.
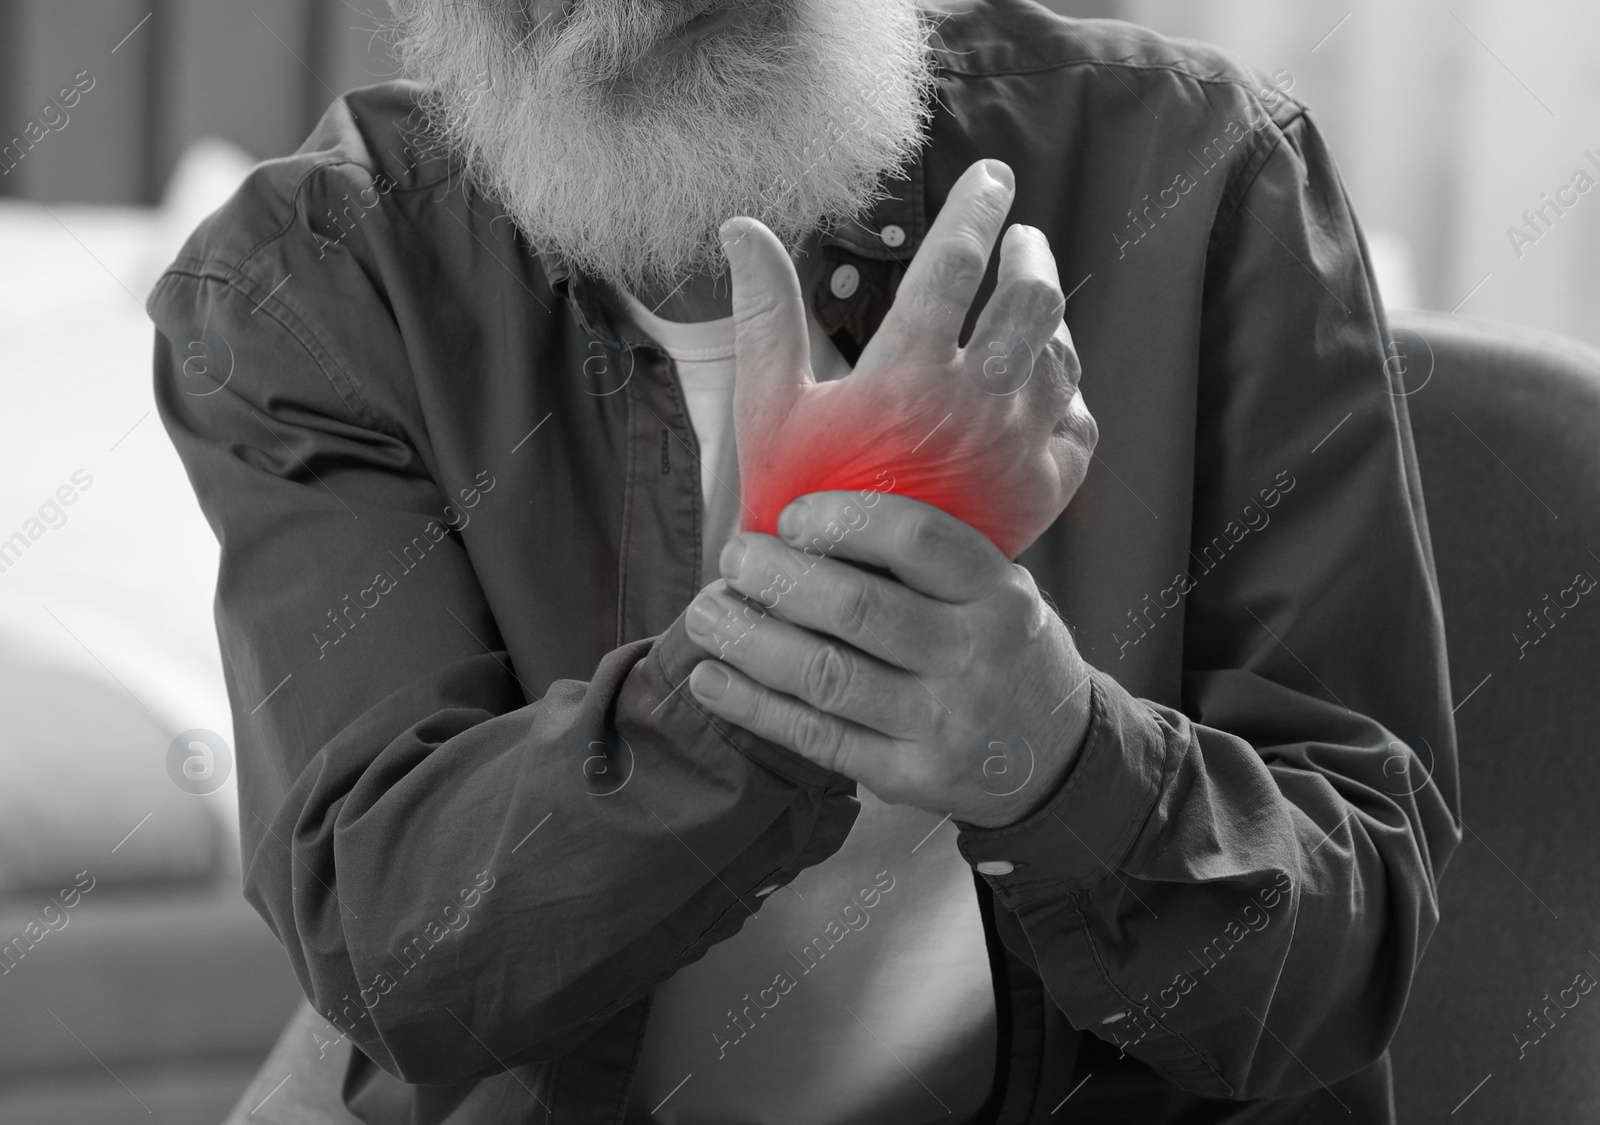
(1086, 828)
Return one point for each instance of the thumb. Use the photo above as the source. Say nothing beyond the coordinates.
(769, 316)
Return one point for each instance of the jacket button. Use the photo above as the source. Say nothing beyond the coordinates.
(845, 281)
(893, 237)
(996, 867)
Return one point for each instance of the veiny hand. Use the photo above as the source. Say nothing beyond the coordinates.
(950, 686)
(996, 433)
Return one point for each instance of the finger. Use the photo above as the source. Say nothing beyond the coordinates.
(1077, 433)
(1017, 324)
(829, 741)
(875, 614)
(769, 318)
(929, 550)
(1054, 387)
(931, 303)
(818, 670)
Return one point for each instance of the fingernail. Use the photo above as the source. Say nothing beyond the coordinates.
(791, 521)
(1000, 171)
(731, 558)
(710, 680)
(702, 616)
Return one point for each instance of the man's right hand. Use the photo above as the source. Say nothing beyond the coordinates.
(996, 433)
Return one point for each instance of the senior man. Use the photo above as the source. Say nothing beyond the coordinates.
(586, 778)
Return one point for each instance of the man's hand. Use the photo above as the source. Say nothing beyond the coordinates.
(950, 686)
(996, 433)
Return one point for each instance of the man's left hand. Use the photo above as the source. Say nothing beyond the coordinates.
(950, 686)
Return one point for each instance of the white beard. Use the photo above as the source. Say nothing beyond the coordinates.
(626, 164)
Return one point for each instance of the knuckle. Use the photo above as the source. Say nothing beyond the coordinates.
(1022, 612)
(817, 737)
(1063, 356)
(1016, 597)
(852, 610)
(1024, 587)
(828, 676)
(1033, 297)
(923, 532)
(1059, 370)
(1084, 427)
(1061, 343)
(1058, 363)
(764, 713)
(758, 312)
(915, 537)
(959, 263)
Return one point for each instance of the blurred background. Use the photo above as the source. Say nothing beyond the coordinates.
(143, 988)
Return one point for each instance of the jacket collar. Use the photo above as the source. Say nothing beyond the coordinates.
(902, 207)
(890, 231)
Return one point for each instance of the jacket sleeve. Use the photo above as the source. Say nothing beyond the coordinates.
(1237, 893)
(436, 844)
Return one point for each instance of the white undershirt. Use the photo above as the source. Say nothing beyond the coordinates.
(820, 1012)
(703, 353)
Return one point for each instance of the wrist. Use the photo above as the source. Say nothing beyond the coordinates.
(1052, 760)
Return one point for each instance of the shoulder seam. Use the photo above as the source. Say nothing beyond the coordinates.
(1236, 196)
(338, 378)
(1293, 107)
(1063, 64)
(300, 187)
